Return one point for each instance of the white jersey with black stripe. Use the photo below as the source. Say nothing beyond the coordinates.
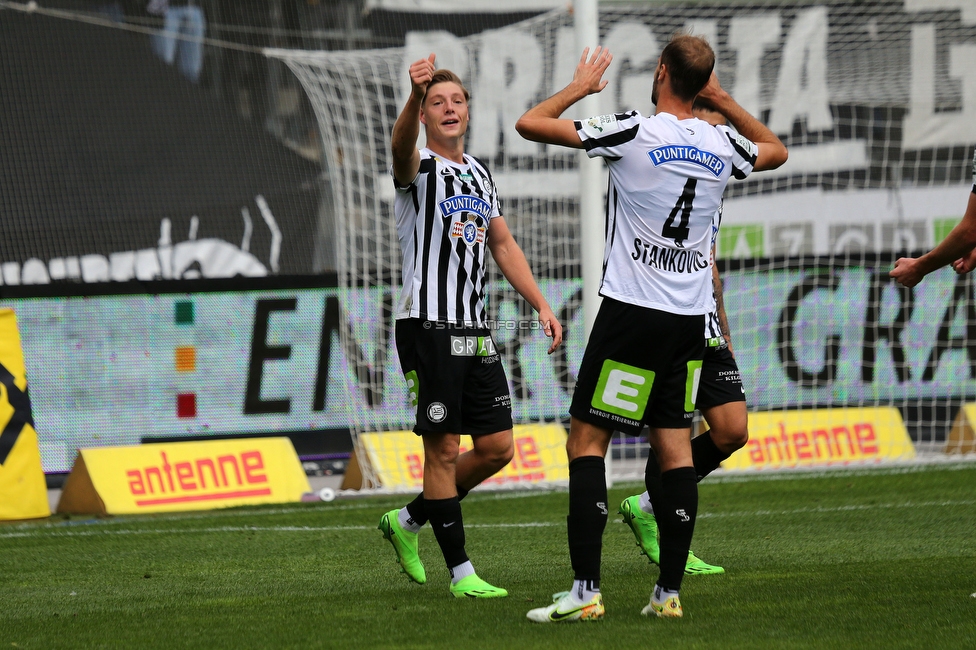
(442, 221)
(667, 177)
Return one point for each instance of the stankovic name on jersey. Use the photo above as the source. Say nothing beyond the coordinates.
(673, 260)
(678, 153)
(465, 203)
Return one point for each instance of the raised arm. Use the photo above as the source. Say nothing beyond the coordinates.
(513, 265)
(541, 123)
(772, 152)
(406, 130)
(956, 249)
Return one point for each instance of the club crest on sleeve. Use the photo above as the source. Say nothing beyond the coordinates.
(747, 145)
(599, 122)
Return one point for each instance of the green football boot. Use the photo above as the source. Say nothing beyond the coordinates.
(405, 544)
(698, 567)
(474, 587)
(644, 527)
(645, 530)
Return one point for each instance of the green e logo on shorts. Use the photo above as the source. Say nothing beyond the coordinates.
(691, 385)
(623, 390)
(413, 385)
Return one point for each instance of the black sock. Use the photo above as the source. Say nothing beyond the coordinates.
(445, 519)
(676, 522)
(652, 480)
(706, 456)
(587, 515)
(417, 510)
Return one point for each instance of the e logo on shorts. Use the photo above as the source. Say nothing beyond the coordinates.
(623, 390)
(436, 412)
(691, 385)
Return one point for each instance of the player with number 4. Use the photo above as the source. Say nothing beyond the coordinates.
(642, 359)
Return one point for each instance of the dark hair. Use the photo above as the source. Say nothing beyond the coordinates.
(442, 76)
(689, 61)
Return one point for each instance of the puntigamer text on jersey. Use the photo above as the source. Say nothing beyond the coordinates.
(678, 153)
(465, 203)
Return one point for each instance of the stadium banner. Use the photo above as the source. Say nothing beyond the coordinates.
(116, 370)
(821, 437)
(962, 434)
(397, 457)
(23, 490)
(168, 477)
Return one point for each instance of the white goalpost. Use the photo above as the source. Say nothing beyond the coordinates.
(591, 192)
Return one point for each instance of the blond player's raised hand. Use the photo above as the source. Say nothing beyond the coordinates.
(421, 72)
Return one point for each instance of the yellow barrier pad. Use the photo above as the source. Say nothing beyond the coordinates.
(823, 437)
(397, 457)
(168, 477)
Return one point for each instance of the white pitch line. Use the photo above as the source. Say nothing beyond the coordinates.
(50, 531)
(235, 529)
(802, 511)
(939, 463)
(212, 514)
(372, 504)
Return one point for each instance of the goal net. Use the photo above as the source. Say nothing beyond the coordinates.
(875, 99)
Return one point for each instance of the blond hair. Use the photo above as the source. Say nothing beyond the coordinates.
(444, 76)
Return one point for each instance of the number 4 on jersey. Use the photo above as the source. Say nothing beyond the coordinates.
(680, 232)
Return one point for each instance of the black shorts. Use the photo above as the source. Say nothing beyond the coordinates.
(720, 381)
(640, 368)
(455, 377)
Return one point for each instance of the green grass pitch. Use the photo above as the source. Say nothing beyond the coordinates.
(851, 559)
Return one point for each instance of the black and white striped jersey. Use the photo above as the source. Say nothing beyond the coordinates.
(667, 177)
(713, 326)
(974, 171)
(442, 221)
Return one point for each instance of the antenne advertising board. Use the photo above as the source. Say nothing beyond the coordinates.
(183, 476)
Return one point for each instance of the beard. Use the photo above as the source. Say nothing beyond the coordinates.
(654, 92)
